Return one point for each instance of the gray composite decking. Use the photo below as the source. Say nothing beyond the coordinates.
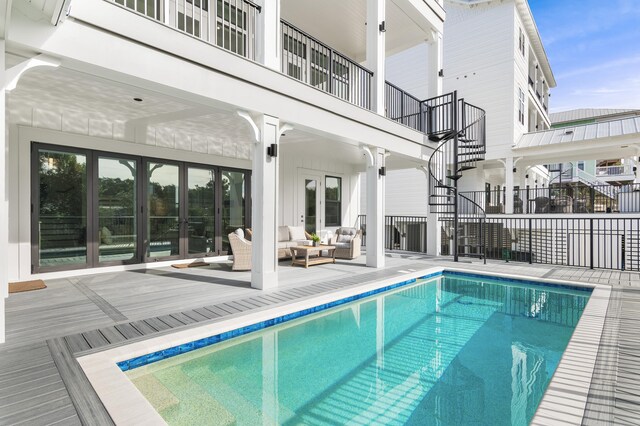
(41, 382)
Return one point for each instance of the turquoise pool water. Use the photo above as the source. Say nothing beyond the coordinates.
(450, 350)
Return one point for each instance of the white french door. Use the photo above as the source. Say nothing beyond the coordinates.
(309, 205)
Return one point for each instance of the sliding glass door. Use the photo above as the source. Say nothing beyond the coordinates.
(164, 221)
(201, 211)
(61, 205)
(96, 209)
(117, 210)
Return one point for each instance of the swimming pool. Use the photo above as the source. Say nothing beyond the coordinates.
(449, 349)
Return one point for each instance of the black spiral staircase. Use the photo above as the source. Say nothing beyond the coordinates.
(459, 127)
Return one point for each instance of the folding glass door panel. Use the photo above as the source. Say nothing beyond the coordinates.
(60, 201)
(201, 211)
(164, 222)
(234, 204)
(117, 210)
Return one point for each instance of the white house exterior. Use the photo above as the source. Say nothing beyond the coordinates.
(494, 57)
(129, 123)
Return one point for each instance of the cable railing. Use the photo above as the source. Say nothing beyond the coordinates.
(316, 64)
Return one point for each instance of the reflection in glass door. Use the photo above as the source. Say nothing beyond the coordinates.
(200, 211)
(310, 208)
(233, 204)
(163, 210)
(61, 233)
(117, 210)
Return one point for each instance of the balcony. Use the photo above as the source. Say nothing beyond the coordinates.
(234, 21)
(614, 171)
(233, 26)
(316, 64)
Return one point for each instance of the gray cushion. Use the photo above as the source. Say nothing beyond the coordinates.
(296, 233)
(283, 233)
(287, 244)
(342, 245)
(344, 238)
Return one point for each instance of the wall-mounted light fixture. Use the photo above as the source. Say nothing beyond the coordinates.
(382, 27)
(526, 176)
(515, 170)
(272, 150)
(382, 171)
(441, 73)
(635, 169)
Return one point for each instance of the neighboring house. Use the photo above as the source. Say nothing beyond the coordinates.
(145, 132)
(615, 171)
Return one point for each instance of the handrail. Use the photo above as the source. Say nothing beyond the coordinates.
(312, 62)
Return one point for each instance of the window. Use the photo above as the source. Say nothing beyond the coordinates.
(521, 41)
(520, 106)
(333, 201)
(581, 165)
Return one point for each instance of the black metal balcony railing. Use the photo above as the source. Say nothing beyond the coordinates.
(562, 199)
(404, 108)
(229, 24)
(316, 64)
(404, 233)
(606, 243)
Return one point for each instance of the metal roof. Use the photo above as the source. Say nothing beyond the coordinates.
(573, 134)
(587, 113)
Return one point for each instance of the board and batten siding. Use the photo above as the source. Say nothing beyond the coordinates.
(409, 70)
(293, 164)
(479, 50)
(406, 193)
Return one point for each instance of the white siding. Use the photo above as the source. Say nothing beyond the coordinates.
(292, 165)
(479, 48)
(409, 70)
(406, 193)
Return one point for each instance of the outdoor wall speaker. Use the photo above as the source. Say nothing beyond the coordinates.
(382, 171)
(272, 151)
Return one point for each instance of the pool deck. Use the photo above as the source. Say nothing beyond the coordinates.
(42, 383)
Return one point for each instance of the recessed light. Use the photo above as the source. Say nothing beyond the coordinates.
(137, 99)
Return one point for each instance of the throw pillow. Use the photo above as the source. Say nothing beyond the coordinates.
(297, 233)
(283, 233)
(240, 233)
(345, 238)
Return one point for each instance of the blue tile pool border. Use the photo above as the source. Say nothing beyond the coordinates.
(150, 358)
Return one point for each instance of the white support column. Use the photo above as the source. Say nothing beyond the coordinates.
(434, 236)
(4, 196)
(268, 37)
(376, 52)
(264, 205)
(375, 209)
(508, 182)
(434, 80)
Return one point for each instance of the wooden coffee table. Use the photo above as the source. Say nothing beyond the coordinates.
(311, 250)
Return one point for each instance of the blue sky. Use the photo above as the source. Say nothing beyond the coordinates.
(594, 50)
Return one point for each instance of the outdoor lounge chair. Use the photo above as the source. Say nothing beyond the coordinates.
(347, 242)
(241, 249)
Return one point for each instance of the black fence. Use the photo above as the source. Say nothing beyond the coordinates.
(604, 243)
(404, 233)
(566, 198)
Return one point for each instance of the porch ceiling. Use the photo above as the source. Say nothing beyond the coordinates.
(75, 102)
(346, 31)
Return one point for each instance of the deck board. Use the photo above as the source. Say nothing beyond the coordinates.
(46, 330)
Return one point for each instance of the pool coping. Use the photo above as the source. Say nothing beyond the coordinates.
(126, 405)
